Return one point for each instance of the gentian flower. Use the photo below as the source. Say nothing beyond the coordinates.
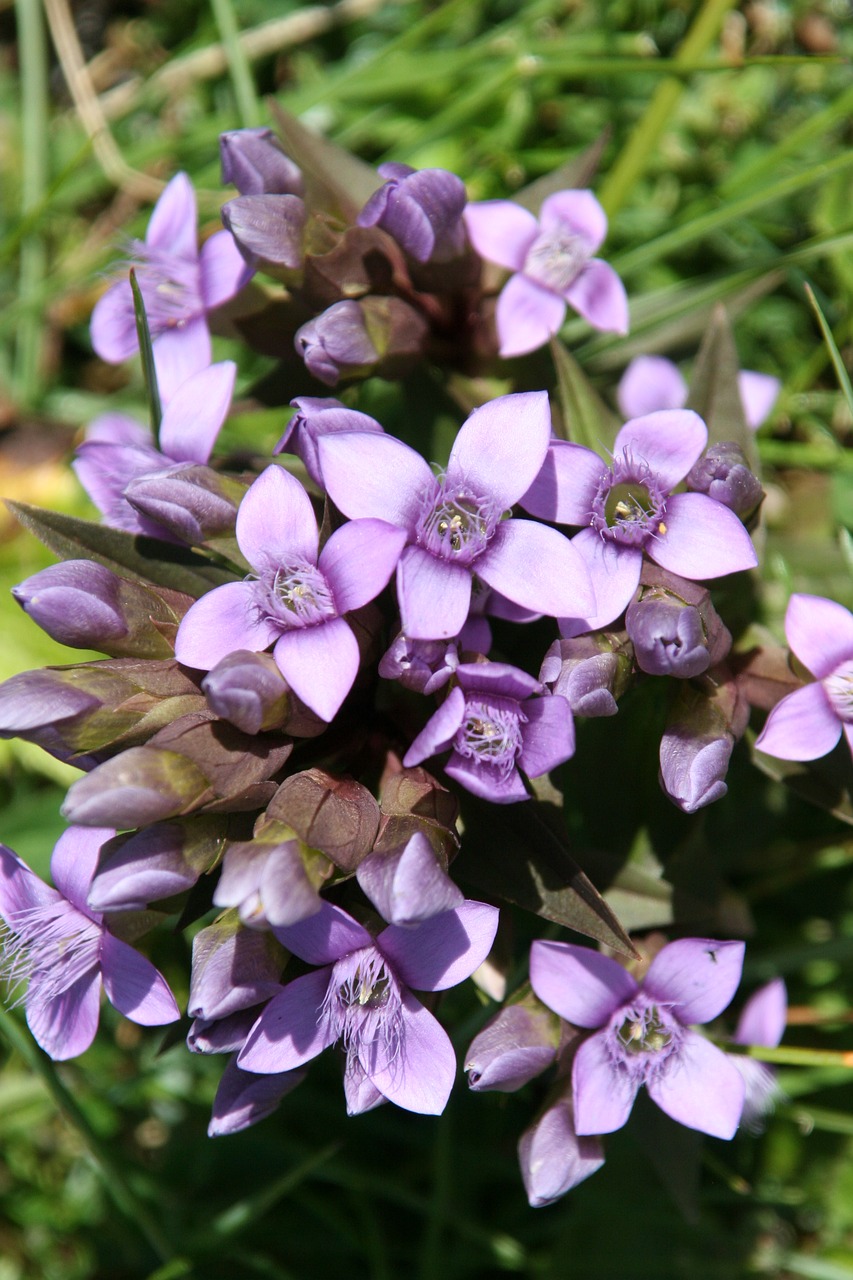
(361, 997)
(808, 723)
(297, 598)
(553, 262)
(496, 722)
(421, 209)
(641, 1034)
(454, 526)
(66, 953)
(652, 382)
(629, 508)
(254, 161)
(180, 284)
(118, 450)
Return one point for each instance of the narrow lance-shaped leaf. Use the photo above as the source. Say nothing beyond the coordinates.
(837, 363)
(714, 393)
(146, 352)
(586, 418)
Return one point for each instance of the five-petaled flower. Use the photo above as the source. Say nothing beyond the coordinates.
(66, 953)
(629, 509)
(553, 262)
(454, 527)
(641, 1034)
(808, 723)
(298, 596)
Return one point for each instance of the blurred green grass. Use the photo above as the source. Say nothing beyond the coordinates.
(728, 175)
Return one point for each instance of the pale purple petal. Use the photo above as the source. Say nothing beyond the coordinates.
(20, 888)
(65, 1025)
(222, 621)
(599, 296)
(179, 353)
(803, 726)
(496, 785)
(276, 524)
(526, 316)
(603, 1091)
(548, 738)
(820, 632)
(501, 231)
(538, 568)
(497, 679)
(439, 730)
(651, 383)
(764, 1016)
(243, 1098)
(408, 885)
(579, 984)
(134, 986)
(553, 1158)
(113, 325)
(442, 951)
(358, 560)
(360, 1093)
(501, 447)
(565, 488)
(418, 1074)
(434, 595)
(320, 664)
(703, 539)
(758, 394)
(194, 415)
(700, 1087)
(669, 441)
(172, 225)
(74, 861)
(696, 977)
(577, 210)
(615, 574)
(291, 1030)
(356, 468)
(325, 936)
(118, 428)
(222, 269)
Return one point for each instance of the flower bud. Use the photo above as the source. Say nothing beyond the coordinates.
(248, 690)
(552, 1157)
(315, 417)
(590, 671)
(233, 968)
(254, 161)
(85, 605)
(408, 884)
(272, 880)
(192, 502)
(517, 1045)
(157, 862)
(224, 1035)
(351, 339)
(269, 231)
(724, 474)
(667, 636)
(697, 743)
(244, 1098)
(422, 210)
(423, 666)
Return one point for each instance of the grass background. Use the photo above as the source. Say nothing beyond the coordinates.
(727, 173)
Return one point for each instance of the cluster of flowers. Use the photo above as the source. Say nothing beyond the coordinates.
(259, 656)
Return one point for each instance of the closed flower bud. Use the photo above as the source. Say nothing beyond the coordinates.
(248, 690)
(254, 161)
(233, 968)
(193, 502)
(422, 210)
(697, 744)
(351, 339)
(315, 417)
(724, 474)
(553, 1158)
(269, 231)
(667, 636)
(156, 862)
(272, 880)
(517, 1045)
(590, 671)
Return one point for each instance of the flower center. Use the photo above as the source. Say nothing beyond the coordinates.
(643, 1037)
(53, 943)
(643, 1032)
(299, 596)
(556, 258)
(457, 526)
(170, 286)
(491, 733)
(839, 689)
(630, 505)
(363, 1001)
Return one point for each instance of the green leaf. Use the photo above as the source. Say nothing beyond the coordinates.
(586, 418)
(573, 174)
(146, 352)
(145, 559)
(838, 364)
(520, 852)
(714, 393)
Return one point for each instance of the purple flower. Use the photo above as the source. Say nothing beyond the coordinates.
(762, 1022)
(180, 283)
(629, 508)
(653, 382)
(318, 416)
(65, 952)
(254, 161)
(296, 599)
(641, 1034)
(496, 723)
(421, 209)
(809, 722)
(361, 997)
(553, 264)
(553, 1158)
(454, 526)
(424, 666)
(117, 450)
(336, 343)
(724, 474)
(243, 1099)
